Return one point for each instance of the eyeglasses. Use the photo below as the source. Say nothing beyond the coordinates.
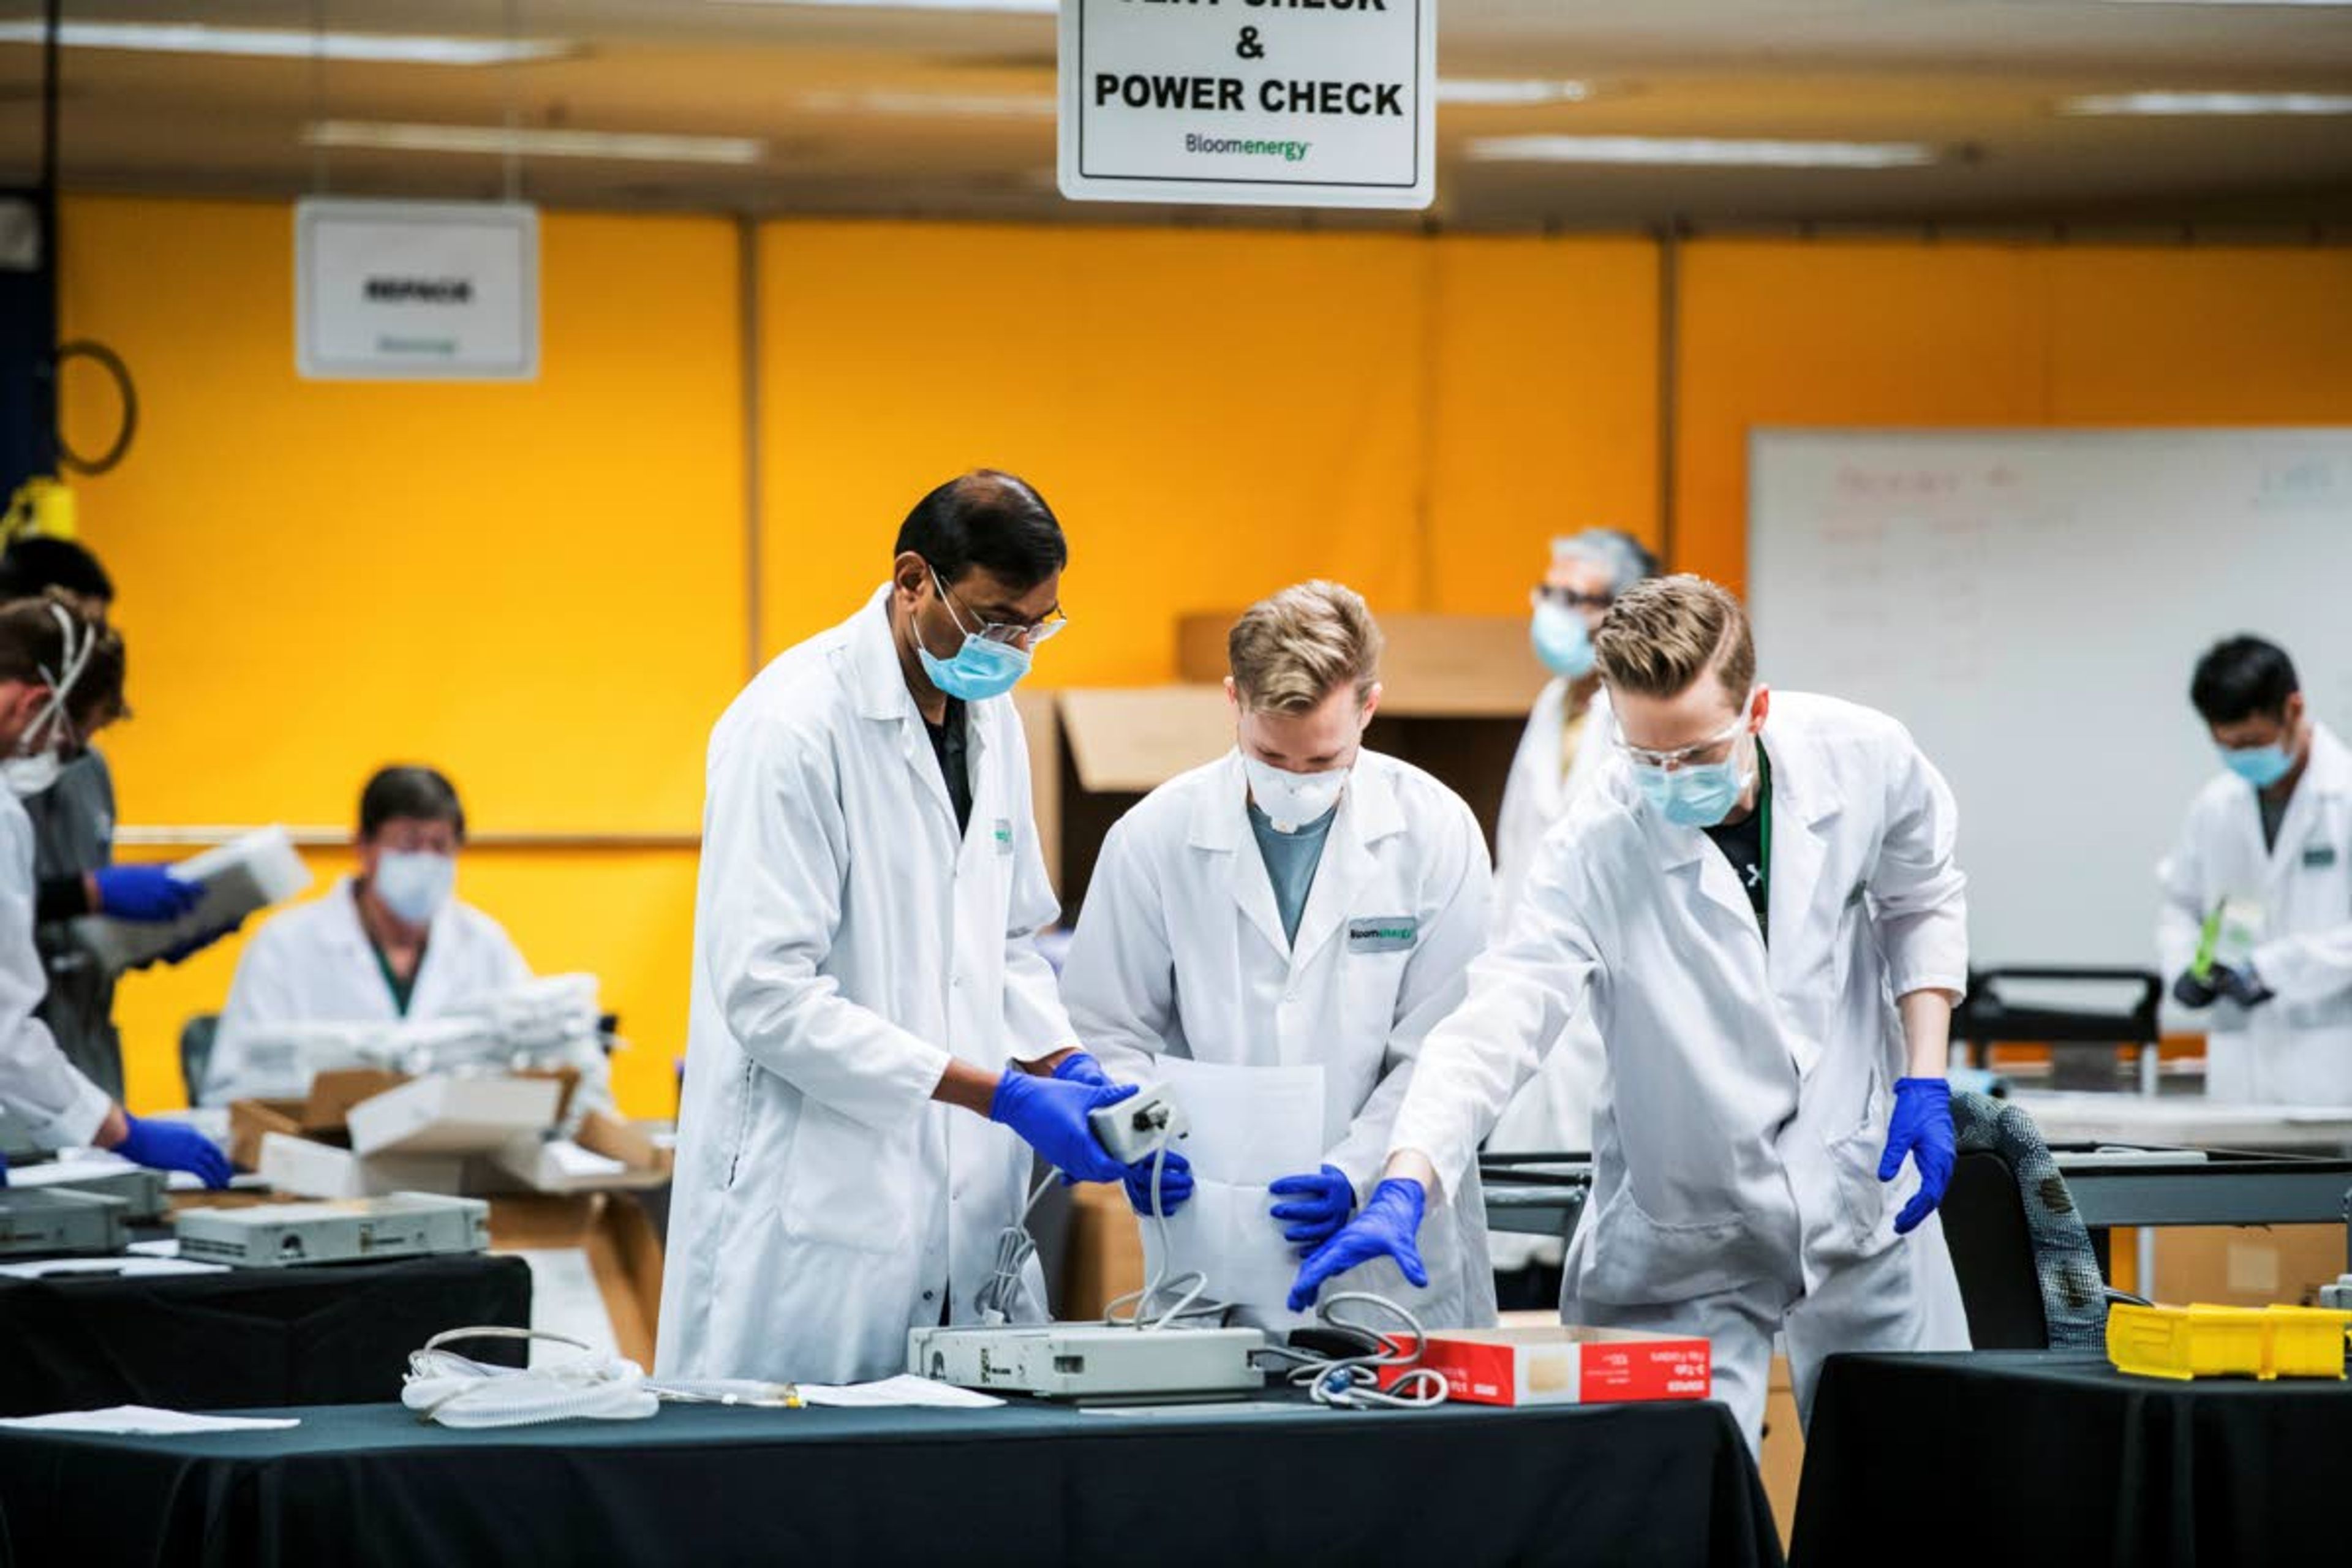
(1684, 756)
(1570, 599)
(1017, 634)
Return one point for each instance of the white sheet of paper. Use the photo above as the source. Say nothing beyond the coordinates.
(904, 1391)
(1250, 1126)
(64, 1171)
(127, 1267)
(161, 1246)
(147, 1421)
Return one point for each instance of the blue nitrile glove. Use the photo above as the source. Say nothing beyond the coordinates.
(150, 894)
(2242, 986)
(1386, 1228)
(1080, 1068)
(1175, 1185)
(1320, 1203)
(1921, 1128)
(1050, 1115)
(173, 1146)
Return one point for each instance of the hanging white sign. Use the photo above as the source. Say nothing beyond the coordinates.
(416, 290)
(1257, 103)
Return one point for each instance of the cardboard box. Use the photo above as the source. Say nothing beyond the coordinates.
(313, 1170)
(1105, 1260)
(1565, 1364)
(624, 1254)
(442, 1115)
(1434, 666)
(318, 1117)
(606, 1155)
(2246, 1265)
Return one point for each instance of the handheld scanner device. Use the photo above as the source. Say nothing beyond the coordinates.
(1144, 1121)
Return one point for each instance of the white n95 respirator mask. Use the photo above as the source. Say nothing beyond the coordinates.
(414, 885)
(1293, 800)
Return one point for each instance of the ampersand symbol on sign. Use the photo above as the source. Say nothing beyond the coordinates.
(1249, 48)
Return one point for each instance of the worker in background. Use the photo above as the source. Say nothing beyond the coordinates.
(61, 673)
(1302, 901)
(873, 1043)
(1567, 741)
(2270, 838)
(1747, 906)
(393, 943)
(73, 839)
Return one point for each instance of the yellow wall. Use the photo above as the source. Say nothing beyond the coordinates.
(536, 586)
(541, 587)
(1814, 332)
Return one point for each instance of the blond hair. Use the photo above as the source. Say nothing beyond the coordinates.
(1661, 635)
(1292, 649)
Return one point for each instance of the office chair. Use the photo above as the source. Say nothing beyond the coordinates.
(2028, 1275)
(196, 1051)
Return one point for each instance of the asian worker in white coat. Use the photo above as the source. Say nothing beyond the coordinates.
(2271, 836)
(1563, 749)
(1762, 910)
(61, 672)
(874, 1044)
(1301, 902)
(391, 943)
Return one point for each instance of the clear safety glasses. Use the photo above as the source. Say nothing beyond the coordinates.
(1012, 634)
(1686, 756)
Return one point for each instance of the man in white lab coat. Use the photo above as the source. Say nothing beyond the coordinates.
(1762, 911)
(392, 944)
(2265, 855)
(1301, 907)
(874, 1044)
(1562, 750)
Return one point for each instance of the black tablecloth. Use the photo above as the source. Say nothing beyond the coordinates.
(336, 1335)
(1285, 1484)
(2013, 1458)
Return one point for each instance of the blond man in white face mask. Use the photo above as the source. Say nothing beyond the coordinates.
(1302, 910)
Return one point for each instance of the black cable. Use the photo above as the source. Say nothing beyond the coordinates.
(85, 348)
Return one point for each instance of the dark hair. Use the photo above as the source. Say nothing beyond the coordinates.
(33, 650)
(986, 519)
(31, 567)
(2239, 677)
(418, 794)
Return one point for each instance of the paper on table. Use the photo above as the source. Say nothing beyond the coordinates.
(126, 1268)
(905, 1390)
(163, 1246)
(1249, 1126)
(146, 1421)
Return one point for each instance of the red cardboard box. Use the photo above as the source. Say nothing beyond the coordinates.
(1555, 1364)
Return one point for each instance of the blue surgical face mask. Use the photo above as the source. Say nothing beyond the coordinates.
(981, 668)
(1561, 639)
(414, 884)
(2261, 766)
(1700, 795)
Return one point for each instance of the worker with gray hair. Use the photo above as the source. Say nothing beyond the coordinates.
(1565, 743)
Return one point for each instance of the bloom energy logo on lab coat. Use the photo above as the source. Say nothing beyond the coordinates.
(1260, 103)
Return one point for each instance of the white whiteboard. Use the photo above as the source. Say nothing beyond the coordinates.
(2032, 604)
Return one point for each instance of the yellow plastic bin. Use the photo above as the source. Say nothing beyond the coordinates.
(2203, 1340)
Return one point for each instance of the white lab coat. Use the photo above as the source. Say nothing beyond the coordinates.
(313, 964)
(845, 944)
(1738, 1129)
(48, 1093)
(1554, 1112)
(1180, 951)
(2296, 1048)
